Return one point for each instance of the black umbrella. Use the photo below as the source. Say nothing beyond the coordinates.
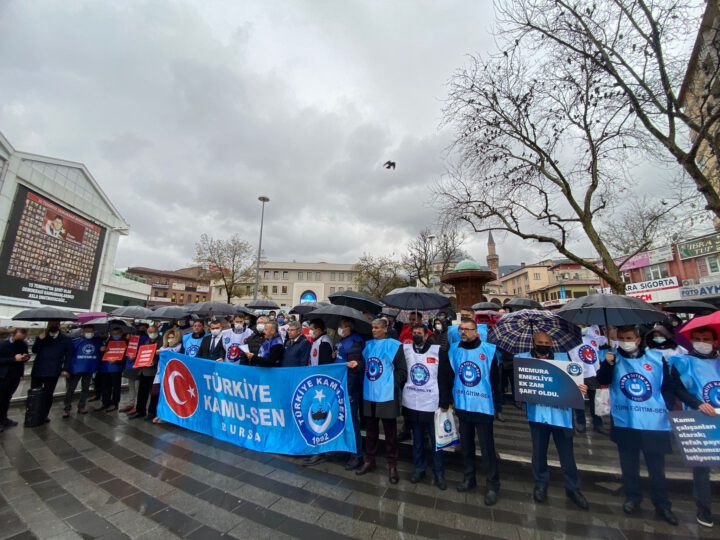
(262, 304)
(304, 308)
(488, 306)
(331, 316)
(212, 309)
(45, 314)
(356, 300)
(132, 312)
(610, 309)
(416, 299)
(523, 303)
(168, 313)
(690, 306)
(242, 310)
(104, 324)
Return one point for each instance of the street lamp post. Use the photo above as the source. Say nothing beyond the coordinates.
(263, 199)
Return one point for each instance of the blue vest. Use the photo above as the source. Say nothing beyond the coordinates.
(453, 333)
(266, 344)
(546, 414)
(482, 329)
(345, 345)
(86, 356)
(472, 390)
(191, 345)
(701, 377)
(379, 369)
(635, 396)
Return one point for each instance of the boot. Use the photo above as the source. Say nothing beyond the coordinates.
(393, 474)
(468, 484)
(366, 468)
(440, 482)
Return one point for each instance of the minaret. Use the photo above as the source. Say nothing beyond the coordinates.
(493, 261)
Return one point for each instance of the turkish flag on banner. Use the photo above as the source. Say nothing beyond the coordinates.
(115, 351)
(132, 347)
(145, 356)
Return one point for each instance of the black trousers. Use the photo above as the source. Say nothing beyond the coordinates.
(110, 384)
(540, 434)
(47, 385)
(487, 446)
(143, 394)
(630, 466)
(154, 400)
(8, 385)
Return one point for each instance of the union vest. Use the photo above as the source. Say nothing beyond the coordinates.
(379, 384)
(701, 377)
(86, 356)
(635, 396)
(231, 341)
(547, 414)
(421, 392)
(315, 348)
(191, 344)
(345, 344)
(472, 390)
(267, 344)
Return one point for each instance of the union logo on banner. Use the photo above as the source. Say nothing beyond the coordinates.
(319, 409)
(180, 389)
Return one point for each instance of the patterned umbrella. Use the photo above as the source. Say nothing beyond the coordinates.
(514, 332)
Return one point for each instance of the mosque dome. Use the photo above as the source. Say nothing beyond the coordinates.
(466, 265)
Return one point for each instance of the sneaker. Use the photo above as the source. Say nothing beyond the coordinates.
(704, 517)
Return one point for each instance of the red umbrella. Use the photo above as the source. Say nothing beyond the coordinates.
(710, 321)
(90, 315)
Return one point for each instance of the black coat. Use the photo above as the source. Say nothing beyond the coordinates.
(297, 352)
(9, 367)
(205, 351)
(52, 355)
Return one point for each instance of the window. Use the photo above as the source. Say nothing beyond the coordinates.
(656, 271)
(332, 276)
(341, 276)
(284, 289)
(286, 275)
(341, 289)
(332, 290)
(266, 274)
(264, 289)
(300, 275)
(276, 275)
(713, 264)
(317, 276)
(349, 289)
(536, 276)
(274, 289)
(181, 299)
(197, 298)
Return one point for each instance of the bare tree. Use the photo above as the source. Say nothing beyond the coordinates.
(377, 276)
(542, 154)
(634, 48)
(433, 253)
(228, 260)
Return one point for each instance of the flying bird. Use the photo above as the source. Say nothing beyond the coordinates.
(389, 164)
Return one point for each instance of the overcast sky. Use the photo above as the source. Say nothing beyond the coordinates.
(186, 112)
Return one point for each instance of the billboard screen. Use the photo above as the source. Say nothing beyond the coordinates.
(49, 254)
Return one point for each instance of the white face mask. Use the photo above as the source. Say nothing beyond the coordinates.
(341, 332)
(153, 335)
(659, 339)
(238, 326)
(702, 348)
(627, 346)
(89, 335)
(215, 332)
(260, 328)
(438, 327)
(584, 331)
(172, 342)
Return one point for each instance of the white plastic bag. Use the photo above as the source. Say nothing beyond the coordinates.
(446, 434)
(602, 402)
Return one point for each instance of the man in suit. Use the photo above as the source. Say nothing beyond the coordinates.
(211, 347)
(13, 355)
(297, 347)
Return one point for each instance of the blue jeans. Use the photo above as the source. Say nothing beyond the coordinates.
(421, 430)
(540, 434)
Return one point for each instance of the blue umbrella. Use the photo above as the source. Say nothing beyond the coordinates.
(513, 333)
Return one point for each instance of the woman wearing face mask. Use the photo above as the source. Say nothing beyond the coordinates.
(170, 342)
(440, 335)
(146, 376)
(661, 340)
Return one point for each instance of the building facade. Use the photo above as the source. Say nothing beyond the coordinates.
(290, 283)
(59, 234)
(178, 287)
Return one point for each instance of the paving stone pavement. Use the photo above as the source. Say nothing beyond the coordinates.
(103, 476)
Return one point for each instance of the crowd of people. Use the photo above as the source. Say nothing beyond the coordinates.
(412, 370)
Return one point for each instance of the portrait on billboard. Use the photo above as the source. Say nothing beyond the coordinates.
(50, 254)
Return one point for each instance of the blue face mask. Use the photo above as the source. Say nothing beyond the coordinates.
(116, 338)
(281, 320)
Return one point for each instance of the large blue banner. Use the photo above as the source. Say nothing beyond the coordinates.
(296, 411)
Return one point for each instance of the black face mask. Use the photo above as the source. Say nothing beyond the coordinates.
(417, 340)
(543, 350)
